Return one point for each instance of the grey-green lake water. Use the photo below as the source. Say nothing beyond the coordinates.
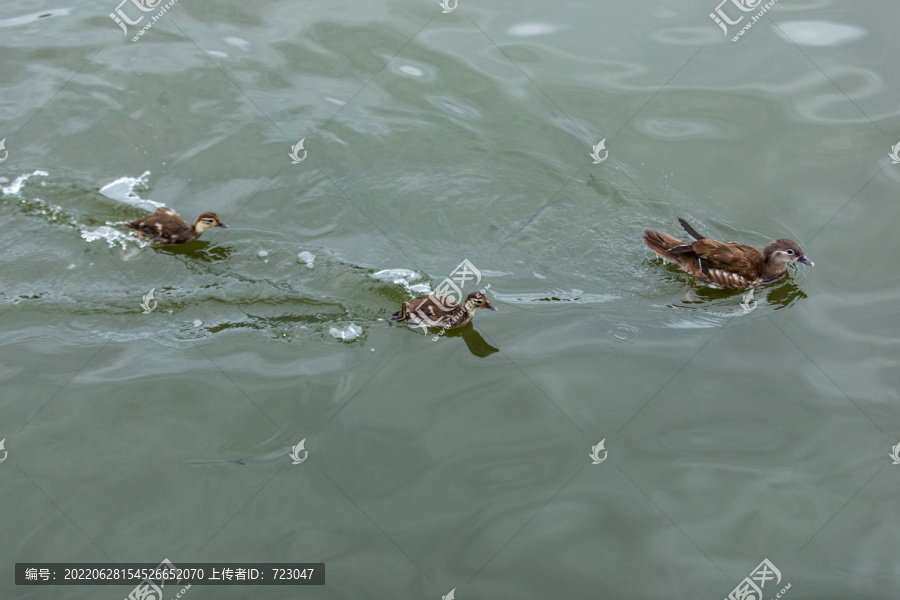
(471, 465)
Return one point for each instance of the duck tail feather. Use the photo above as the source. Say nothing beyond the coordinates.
(690, 230)
(663, 243)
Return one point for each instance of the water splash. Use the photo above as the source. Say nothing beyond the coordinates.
(123, 190)
(307, 257)
(347, 334)
(113, 237)
(20, 181)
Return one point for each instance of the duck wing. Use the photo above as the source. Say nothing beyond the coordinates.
(163, 226)
(430, 310)
(730, 265)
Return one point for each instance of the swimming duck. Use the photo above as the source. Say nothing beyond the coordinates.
(726, 264)
(165, 226)
(440, 311)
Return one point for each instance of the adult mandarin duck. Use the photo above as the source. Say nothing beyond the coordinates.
(726, 264)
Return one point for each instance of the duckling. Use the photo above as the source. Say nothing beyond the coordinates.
(440, 311)
(165, 226)
(726, 264)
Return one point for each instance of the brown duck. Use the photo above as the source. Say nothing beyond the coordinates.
(165, 226)
(440, 311)
(726, 264)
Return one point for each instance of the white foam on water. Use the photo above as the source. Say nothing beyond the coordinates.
(347, 334)
(113, 237)
(395, 275)
(403, 277)
(52, 211)
(123, 190)
(307, 257)
(19, 182)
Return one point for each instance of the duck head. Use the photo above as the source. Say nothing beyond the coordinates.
(783, 251)
(478, 300)
(207, 219)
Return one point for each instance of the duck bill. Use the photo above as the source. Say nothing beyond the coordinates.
(806, 261)
(491, 308)
(222, 225)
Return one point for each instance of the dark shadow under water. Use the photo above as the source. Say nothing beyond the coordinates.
(474, 341)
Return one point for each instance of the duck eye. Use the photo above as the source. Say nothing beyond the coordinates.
(790, 251)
